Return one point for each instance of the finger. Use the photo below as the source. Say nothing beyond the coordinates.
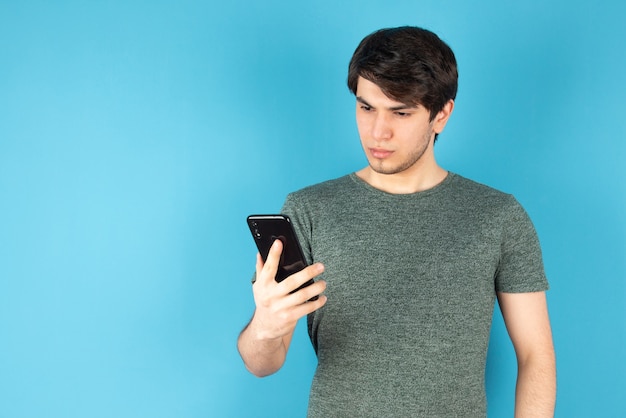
(307, 293)
(268, 269)
(259, 263)
(296, 280)
(306, 308)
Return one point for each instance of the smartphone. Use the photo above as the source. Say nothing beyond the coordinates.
(265, 230)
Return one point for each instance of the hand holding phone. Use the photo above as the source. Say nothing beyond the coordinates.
(265, 230)
(264, 342)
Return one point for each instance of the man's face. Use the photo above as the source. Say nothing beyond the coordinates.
(396, 137)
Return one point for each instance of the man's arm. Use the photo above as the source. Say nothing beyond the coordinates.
(528, 324)
(264, 342)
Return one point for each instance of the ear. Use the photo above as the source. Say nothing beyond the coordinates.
(442, 117)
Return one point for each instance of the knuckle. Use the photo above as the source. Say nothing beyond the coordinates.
(285, 317)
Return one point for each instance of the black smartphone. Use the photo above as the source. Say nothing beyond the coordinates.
(265, 230)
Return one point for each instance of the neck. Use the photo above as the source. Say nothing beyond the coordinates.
(406, 182)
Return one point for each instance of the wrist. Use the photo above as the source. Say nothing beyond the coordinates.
(261, 333)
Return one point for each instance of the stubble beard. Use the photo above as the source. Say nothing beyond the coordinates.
(384, 167)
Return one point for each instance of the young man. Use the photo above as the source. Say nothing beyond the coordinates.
(413, 256)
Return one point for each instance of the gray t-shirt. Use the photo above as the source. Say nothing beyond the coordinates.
(411, 290)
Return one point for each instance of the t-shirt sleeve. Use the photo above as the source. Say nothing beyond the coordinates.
(295, 208)
(520, 268)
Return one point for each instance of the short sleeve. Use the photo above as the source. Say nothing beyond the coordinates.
(295, 208)
(520, 268)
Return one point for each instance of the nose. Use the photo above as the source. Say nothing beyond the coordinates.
(381, 128)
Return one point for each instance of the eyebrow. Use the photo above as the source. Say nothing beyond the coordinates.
(393, 108)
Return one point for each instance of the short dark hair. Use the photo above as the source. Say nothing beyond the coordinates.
(410, 65)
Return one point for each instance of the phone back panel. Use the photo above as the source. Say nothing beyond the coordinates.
(266, 229)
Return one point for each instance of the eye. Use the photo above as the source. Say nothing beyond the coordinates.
(366, 108)
(403, 114)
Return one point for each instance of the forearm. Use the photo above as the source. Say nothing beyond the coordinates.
(261, 356)
(535, 394)
(264, 342)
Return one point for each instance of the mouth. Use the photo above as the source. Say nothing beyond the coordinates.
(380, 153)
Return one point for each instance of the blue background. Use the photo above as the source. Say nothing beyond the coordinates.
(135, 136)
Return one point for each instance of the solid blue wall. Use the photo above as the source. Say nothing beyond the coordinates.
(136, 136)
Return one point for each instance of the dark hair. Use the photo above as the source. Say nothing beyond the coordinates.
(410, 65)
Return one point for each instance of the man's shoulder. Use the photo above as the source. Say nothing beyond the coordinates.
(325, 188)
(474, 189)
(475, 186)
(485, 199)
(321, 197)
